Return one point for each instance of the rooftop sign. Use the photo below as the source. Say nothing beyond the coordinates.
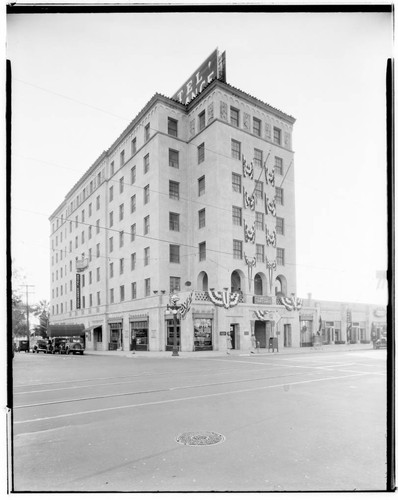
(213, 67)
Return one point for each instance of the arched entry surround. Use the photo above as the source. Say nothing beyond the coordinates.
(280, 285)
(237, 281)
(260, 284)
(203, 281)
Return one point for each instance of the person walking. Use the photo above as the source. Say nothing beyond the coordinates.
(229, 343)
(254, 344)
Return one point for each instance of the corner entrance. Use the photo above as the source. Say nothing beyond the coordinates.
(234, 333)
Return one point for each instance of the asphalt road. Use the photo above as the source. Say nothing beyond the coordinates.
(305, 422)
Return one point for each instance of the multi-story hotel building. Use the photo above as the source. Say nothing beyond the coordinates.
(196, 198)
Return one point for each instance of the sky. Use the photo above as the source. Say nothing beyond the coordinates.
(79, 80)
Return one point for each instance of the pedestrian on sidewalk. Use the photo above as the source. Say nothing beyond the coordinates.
(229, 343)
(254, 343)
(133, 343)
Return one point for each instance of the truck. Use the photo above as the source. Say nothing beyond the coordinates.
(67, 339)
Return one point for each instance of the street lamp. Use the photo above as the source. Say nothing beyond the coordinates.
(174, 309)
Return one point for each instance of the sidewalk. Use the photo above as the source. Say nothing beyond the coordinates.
(235, 353)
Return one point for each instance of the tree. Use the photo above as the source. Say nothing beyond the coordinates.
(19, 323)
(42, 311)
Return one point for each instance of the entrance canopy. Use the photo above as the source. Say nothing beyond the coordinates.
(65, 330)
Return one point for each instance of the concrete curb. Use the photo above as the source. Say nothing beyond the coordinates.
(211, 354)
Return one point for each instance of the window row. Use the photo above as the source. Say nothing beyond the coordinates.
(257, 126)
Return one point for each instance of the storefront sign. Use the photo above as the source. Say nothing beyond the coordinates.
(245, 332)
(223, 333)
(213, 67)
(77, 291)
(262, 299)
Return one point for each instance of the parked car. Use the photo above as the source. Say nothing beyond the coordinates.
(59, 345)
(41, 345)
(22, 345)
(74, 346)
(380, 343)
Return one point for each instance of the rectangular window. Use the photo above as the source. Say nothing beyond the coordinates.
(90, 257)
(201, 186)
(111, 193)
(278, 165)
(134, 290)
(175, 284)
(260, 253)
(90, 277)
(173, 158)
(201, 153)
(133, 205)
(146, 256)
(111, 296)
(121, 211)
(234, 117)
(259, 189)
(146, 163)
(257, 127)
(98, 249)
(146, 194)
(98, 298)
(121, 185)
(76, 221)
(174, 253)
(111, 270)
(121, 239)
(277, 136)
(122, 158)
(237, 216)
(82, 240)
(82, 221)
(111, 219)
(133, 175)
(237, 249)
(172, 127)
(202, 218)
(174, 190)
(90, 211)
(111, 244)
(147, 132)
(132, 232)
(279, 195)
(98, 273)
(112, 167)
(76, 245)
(146, 224)
(133, 261)
(202, 120)
(202, 251)
(174, 221)
(259, 221)
(280, 256)
(98, 202)
(133, 146)
(97, 225)
(258, 157)
(121, 266)
(280, 225)
(147, 287)
(235, 149)
(236, 183)
(121, 293)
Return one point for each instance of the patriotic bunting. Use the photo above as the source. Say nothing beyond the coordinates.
(224, 299)
(262, 315)
(291, 304)
(251, 262)
(186, 306)
(271, 266)
(270, 237)
(248, 170)
(270, 176)
(250, 234)
(270, 206)
(249, 201)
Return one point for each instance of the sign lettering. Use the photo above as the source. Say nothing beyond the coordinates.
(77, 291)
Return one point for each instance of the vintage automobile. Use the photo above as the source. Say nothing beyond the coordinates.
(41, 345)
(67, 339)
(380, 343)
(74, 345)
(22, 345)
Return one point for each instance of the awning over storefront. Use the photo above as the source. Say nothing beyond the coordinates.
(66, 330)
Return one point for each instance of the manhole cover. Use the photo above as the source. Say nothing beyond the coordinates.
(205, 438)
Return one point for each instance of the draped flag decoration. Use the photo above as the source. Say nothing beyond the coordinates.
(291, 304)
(248, 170)
(271, 266)
(251, 262)
(249, 201)
(250, 233)
(270, 206)
(270, 237)
(262, 315)
(270, 176)
(186, 306)
(224, 299)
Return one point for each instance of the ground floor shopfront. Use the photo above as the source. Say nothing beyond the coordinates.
(248, 325)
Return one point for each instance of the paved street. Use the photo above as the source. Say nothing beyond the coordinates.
(295, 422)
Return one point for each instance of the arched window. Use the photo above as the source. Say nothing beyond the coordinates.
(235, 282)
(258, 285)
(203, 281)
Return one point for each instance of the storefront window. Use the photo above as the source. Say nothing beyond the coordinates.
(115, 336)
(306, 331)
(139, 336)
(202, 334)
(170, 334)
